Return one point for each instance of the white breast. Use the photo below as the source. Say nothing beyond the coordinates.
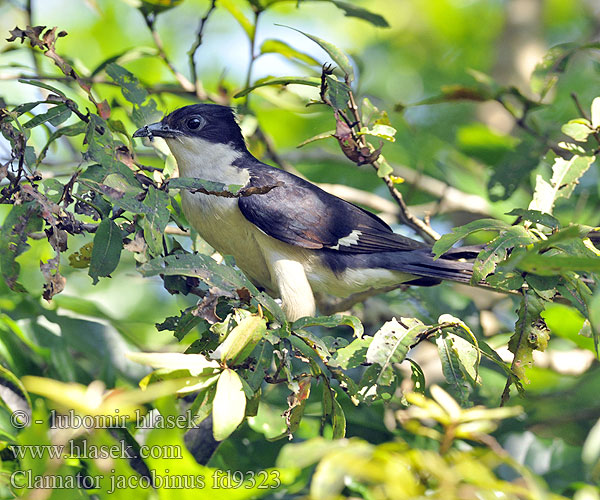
(217, 219)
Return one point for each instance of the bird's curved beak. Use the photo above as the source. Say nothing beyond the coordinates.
(158, 129)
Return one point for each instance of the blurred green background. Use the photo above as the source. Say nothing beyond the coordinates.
(427, 47)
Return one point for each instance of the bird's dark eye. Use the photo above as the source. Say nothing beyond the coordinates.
(193, 123)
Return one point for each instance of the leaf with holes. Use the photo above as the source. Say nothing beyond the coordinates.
(497, 250)
(565, 176)
(390, 345)
(531, 333)
(352, 355)
(156, 219)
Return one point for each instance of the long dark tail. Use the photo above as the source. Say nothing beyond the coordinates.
(455, 265)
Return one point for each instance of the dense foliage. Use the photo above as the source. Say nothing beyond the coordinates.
(120, 328)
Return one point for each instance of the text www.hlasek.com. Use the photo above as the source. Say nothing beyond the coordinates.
(90, 451)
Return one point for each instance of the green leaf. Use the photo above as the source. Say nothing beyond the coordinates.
(241, 341)
(271, 45)
(229, 405)
(331, 322)
(43, 85)
(207, 187)
(134, 93)
(14, 396)
(383, 131)
(25, 108)
(316, 344)
(578, 129)
(417, 376)
(239, 16)
(337, 92)
(56, 115)
(70, 131)
(451, 366)
(264, 357)
(318, 137)
(205, 268)
(530, 334)
(338, 419)
(352, 355)
(553, 64)
(536, 216)
(130, 85)
(108, 243)
(351, 10)
(335, 53)
(497, 250)
(458, 233)
(21, 221)
(594, 314)
(158, 6)
(390, 345)
(565, 176)
(549, 265)
(156, 219)
(311, 81)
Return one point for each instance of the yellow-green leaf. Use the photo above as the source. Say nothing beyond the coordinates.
(229, 405)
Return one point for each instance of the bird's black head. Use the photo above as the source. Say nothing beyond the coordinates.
(211, 122)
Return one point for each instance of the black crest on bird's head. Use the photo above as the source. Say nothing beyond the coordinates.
(211, 122)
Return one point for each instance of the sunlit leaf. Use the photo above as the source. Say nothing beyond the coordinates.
(334, 52)
(271, 45)
(390, 345)
(578, 129)
(353, 355)
(229, 405)
(196, 364)
(536, 216)
(239, 16)
(242, 339)
(281, 80)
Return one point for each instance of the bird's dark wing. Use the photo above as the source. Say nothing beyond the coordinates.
(301, 214)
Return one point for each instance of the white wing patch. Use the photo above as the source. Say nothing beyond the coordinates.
(351, 239)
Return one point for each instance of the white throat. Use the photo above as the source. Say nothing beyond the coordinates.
(207, 160)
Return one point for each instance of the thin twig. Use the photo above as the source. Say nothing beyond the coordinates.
(183, 81)
(406, 217)
(253, 55)
(200, 92)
